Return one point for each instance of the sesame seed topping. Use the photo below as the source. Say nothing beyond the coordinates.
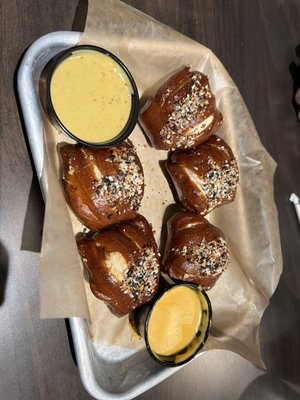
(187, 112)
(126, 185)
(140, 280)
(71, 170)
(210, 257)
(220, 182)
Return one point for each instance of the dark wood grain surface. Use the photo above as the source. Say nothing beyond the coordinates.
(256, 40)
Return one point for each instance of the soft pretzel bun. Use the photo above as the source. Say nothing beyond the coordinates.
(183, 112)
(196, 251)
(205, 177)
(123, 264)
(102, 186)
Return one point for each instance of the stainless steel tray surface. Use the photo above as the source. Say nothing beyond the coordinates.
(106, 372)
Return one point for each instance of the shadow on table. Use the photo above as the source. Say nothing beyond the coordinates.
(70, 339)
(80, 16)
(295, 73)
(280, 324)
(3, 272)
(34, 217)
(267, 387)
(280, 335)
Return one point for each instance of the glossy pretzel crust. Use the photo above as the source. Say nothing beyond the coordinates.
(129, 288)
(196, 251)
(102, 186)
(183, 112)
(205, 177)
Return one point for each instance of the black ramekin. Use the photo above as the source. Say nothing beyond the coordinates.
(50, 110)
(140, 322)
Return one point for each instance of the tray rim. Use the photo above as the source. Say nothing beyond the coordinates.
(31, 114)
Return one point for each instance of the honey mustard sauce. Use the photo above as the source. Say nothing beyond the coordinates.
(91, 95)
(174, 321)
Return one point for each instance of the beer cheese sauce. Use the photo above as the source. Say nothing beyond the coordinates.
(174, 321)
(91, 95)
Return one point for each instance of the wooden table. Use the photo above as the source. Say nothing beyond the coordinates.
(256, 41)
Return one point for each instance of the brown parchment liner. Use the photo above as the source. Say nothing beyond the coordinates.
(152, 52)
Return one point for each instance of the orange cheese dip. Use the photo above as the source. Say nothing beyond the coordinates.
(91, 95)
(174, 321)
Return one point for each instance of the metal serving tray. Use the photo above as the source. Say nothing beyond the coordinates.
(106, 372)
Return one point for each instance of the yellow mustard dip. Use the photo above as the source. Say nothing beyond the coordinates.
(174, 321)
(91, 95)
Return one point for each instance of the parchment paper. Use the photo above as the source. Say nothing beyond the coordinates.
(153, 52)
